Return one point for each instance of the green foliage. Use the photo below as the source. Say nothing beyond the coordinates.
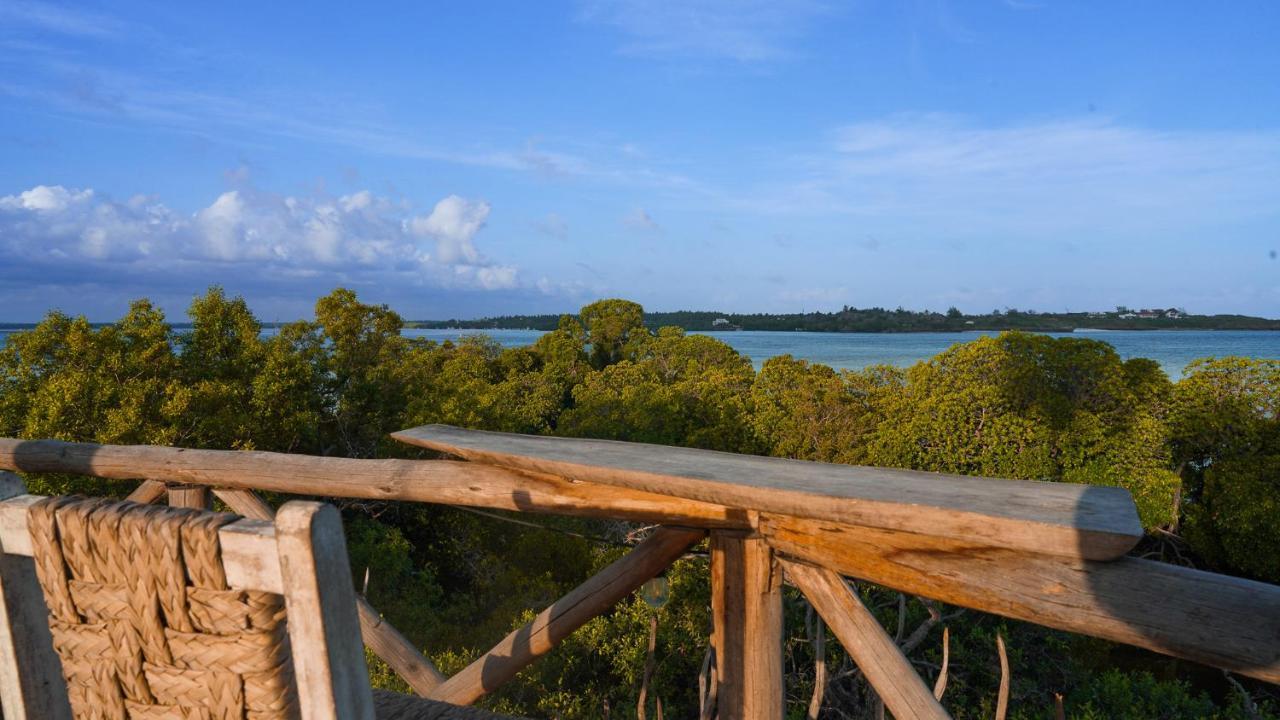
(1034, 407)
(610, 325)
(1115, 695)
(1204, 453)
(363, 361)
(811, 412)
(677, 389)
(1226, 434)
(218, 361)
(602, 665)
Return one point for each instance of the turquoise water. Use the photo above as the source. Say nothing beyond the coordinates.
(1173, 349)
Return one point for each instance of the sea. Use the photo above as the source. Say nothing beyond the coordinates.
(1172, 349)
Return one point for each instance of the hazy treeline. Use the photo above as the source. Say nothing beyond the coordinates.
(1201, 457)
(877, 319)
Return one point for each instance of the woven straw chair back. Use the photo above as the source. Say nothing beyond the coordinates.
(144, 621)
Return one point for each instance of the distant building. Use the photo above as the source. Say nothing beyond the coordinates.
(721, 323)
(1173, 314)
(1127, 316)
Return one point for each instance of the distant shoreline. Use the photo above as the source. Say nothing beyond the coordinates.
(428, 325)
(881, 320)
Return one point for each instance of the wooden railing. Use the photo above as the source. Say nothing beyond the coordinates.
(1046, 553)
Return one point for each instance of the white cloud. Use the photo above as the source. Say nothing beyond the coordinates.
(44, 197)
(641, 220)
(741, 30)
(453, 223)
(252, 232)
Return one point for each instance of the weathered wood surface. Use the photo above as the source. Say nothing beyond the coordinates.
(435, 481)
(148, 491)
(872, 650)
(1081, 521)
(599, 593)
(746, 611)
(324, 631)
(379, 636)
(196, 497)
(31, 685)
(1214, 619)
(245, 503)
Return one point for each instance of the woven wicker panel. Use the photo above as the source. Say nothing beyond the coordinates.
(144, 621)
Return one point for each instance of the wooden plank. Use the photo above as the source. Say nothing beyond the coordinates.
(245, 503)
(196, 497)
(250, 557)
(15, 539)
(746, 608)
(379, 636)
(324, 630)
(871, 648)
(1079, 521)
(435, 481)
(1209, 618)
(147, 492)
(31, 684)
(520, 648)
(395, 649)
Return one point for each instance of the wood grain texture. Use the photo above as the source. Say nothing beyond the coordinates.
(379, 636)
(250, 557)
(324, 631)
(871, 648)
(31, 685)
(520, 648)
(746, 611)
(434, 481)
(395, 649)
(1079, 521)
(245, 503)
(147, 492)
(1214, 619)
(196, 497)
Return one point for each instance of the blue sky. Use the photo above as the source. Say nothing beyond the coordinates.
(463, 159)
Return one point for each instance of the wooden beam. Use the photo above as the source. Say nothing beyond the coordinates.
(324, 631)
(1214, 619)
(746, 610)
(520, 648)
(396, 651)
(31, 684)
(436, 481)
(147, 492)
(196, 497)
(871, 648)
(1072, 520)
(245, 503)
(379, 636)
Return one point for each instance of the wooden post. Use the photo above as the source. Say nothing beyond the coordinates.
(31, 684)
(190, 496)
(746, 609)
(324, 630)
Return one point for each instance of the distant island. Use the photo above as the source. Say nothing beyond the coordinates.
(877, 319)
